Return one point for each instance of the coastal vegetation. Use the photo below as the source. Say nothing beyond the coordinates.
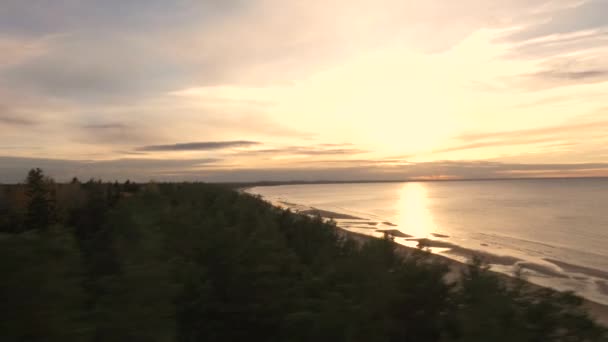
(98, 261)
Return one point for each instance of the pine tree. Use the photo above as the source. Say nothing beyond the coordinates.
(40, 205)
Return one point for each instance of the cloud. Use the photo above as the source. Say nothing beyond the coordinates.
(99, 77)
(116, 52)
(598, 74)
(199, 146)
(564, 73)
(412, 171)
(134, 153)
(106, 126)
(497, 141)
(152, 163)
(567, 43)
(19, 49)
(346, 163)
(9, 117)
(573, 17)
(113, 50)
(292, 40)
(548, 132)
(32, 17)
(336, 145)
(318, 150)
(96, 66)
(553, 45)
(120, 134)
(13, 169)
(584, 135)
(15, 121)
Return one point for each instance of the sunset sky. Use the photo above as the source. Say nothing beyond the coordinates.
(283, 90)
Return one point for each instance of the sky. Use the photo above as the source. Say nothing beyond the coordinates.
(235, 90)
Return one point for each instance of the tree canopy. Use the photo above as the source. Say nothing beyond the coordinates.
(200, 262)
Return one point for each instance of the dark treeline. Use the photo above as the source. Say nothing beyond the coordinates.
(192, 262)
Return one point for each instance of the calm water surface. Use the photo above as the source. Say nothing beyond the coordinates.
(540, 222)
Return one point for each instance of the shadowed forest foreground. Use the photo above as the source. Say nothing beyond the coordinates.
(197, 262)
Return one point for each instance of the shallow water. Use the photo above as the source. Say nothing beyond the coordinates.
(556, 229)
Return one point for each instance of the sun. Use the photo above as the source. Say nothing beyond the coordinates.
(389, 102)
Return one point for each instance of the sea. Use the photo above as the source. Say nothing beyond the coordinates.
(554, 231)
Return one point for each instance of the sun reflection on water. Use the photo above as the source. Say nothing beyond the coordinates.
(414, 216)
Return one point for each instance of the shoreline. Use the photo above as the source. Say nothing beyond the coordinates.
(243, 186)
(598, 311)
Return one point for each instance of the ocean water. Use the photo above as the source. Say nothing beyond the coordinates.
(555, 230)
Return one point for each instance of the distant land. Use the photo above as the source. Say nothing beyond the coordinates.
(363, 181)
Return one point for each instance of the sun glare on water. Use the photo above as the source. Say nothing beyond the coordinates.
(414, 216)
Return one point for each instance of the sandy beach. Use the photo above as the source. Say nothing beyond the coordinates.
(598, 311)
(362, 230)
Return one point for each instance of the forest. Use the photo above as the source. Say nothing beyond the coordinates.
(103, 261)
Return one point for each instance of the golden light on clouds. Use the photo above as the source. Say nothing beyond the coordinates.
(379, 85)
(404, 101)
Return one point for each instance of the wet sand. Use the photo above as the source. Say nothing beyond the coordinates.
(579, 269)
(542, 270)
(393, 232)
(598, 311)
(602, 286)
(328, 214)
